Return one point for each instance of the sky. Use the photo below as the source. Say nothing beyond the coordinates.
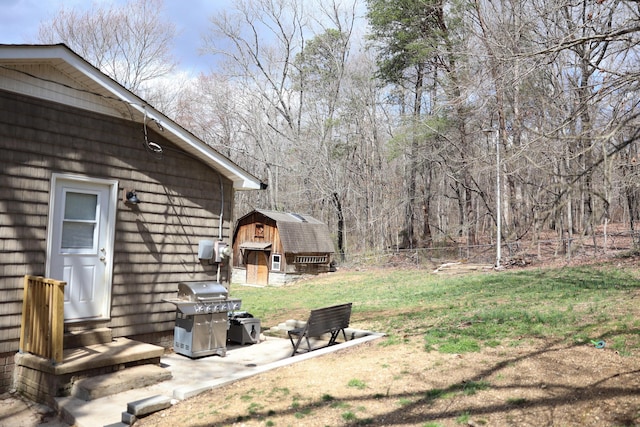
(20, 19)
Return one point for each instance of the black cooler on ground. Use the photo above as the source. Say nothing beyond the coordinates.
(243, 328)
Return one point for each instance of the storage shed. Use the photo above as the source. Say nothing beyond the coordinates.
(274, 248)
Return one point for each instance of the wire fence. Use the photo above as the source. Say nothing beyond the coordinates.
(512, 253)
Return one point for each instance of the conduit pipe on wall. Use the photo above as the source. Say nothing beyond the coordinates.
(220, 220)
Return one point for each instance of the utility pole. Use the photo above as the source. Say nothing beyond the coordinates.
(496, 140)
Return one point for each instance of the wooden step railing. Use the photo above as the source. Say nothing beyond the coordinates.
(42, 329)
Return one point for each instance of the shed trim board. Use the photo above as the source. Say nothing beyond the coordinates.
(256, 246)
(13, 58)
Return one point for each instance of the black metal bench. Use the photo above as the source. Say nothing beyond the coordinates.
(327, 320)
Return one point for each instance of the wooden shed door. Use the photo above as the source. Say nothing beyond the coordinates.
(257, 269)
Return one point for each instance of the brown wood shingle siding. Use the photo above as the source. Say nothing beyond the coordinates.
(156, 242)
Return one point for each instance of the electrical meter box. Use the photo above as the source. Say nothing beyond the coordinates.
(221, 251)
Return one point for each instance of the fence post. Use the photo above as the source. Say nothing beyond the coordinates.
(26, 316)
(57, 321)
(42, 329)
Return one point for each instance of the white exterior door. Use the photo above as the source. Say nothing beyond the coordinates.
(80, 249)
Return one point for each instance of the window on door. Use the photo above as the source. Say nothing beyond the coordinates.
(79, 225)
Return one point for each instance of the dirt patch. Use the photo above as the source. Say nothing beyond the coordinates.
(16, 411)
(524, 383)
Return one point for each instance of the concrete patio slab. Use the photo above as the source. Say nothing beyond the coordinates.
(190, 377)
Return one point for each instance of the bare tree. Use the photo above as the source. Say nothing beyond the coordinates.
(132, 43)
(587, 47)
(255, 43)
(322, 74)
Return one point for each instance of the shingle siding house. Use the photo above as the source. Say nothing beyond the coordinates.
(74, 144)
(274, 248)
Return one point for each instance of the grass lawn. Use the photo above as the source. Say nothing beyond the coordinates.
(505, 348)
(457, 314)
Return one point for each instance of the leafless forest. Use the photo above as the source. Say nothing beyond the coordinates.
(414, 123)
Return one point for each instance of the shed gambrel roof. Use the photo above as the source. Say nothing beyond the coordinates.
(71, 80)
(301, 233)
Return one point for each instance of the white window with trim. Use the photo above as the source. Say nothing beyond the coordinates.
(275, 262)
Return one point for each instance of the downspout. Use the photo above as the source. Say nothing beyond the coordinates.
(220, 220)
(221, 206)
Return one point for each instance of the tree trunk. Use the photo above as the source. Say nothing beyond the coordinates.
(340, 215)
(409, 214)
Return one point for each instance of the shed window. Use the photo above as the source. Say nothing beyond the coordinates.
(259, 230)
(275, 262)
(321, 259)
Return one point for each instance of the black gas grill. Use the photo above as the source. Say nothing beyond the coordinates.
(202, 318)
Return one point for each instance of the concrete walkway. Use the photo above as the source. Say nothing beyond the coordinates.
(191, 377)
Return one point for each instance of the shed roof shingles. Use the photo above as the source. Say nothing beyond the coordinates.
(301, 234)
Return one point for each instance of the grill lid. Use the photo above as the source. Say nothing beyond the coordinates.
(200, 291)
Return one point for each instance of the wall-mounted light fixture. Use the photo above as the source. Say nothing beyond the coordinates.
(130, 196)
